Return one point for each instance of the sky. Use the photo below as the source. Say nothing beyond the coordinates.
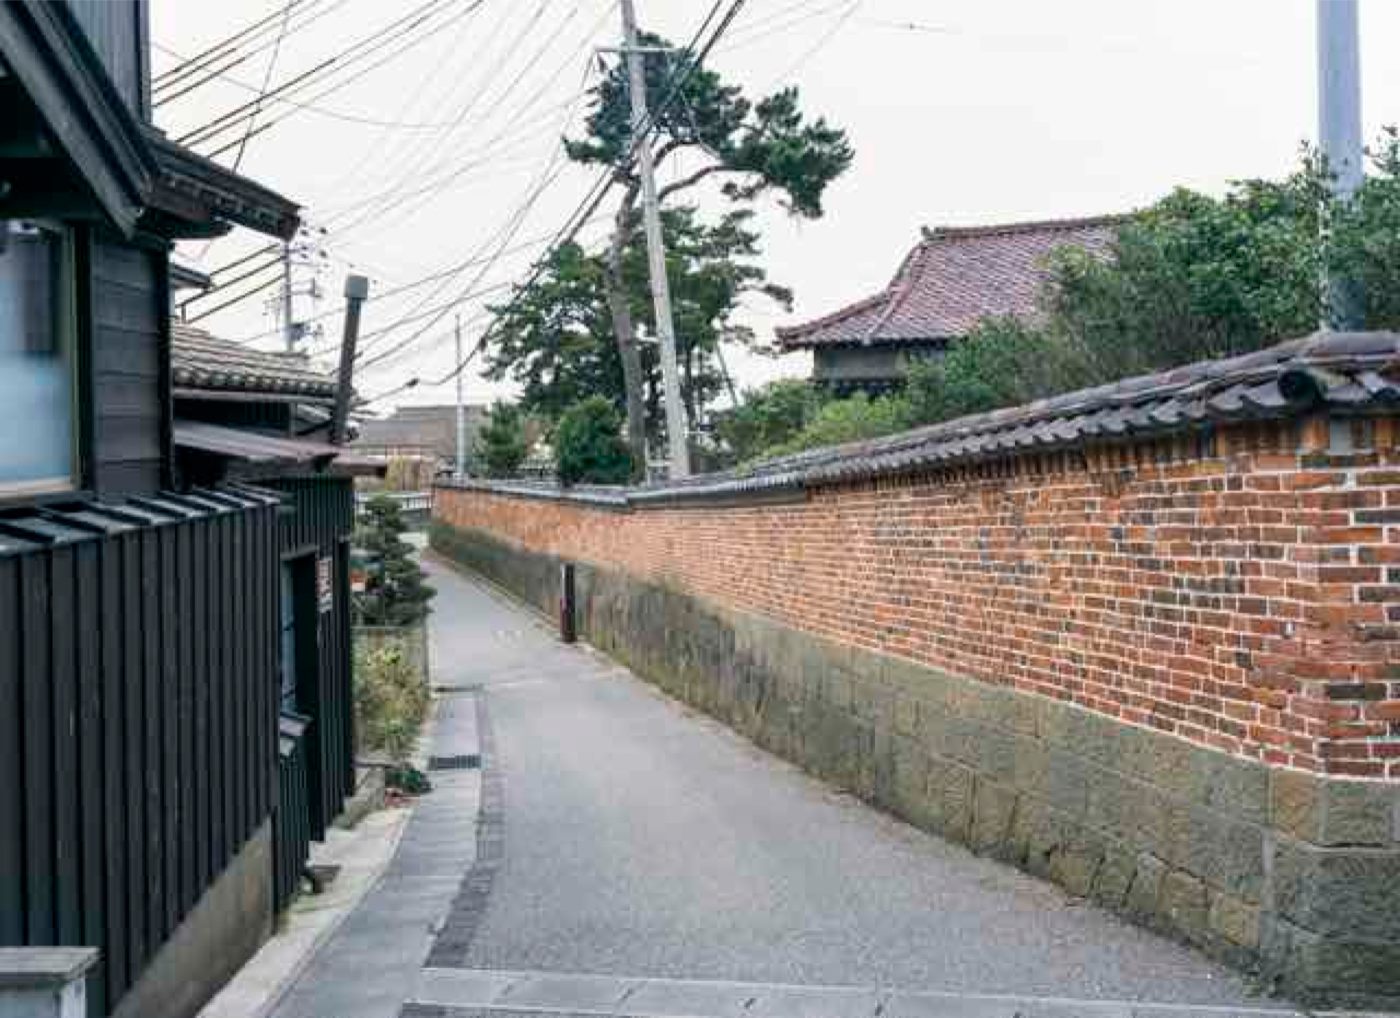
(430, 145)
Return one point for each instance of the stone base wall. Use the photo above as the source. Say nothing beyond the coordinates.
(225, 928)
(1280, 870)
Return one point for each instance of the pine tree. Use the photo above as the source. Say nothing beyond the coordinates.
(501, 444)
(395, 593)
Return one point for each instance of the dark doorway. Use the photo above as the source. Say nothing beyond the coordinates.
(301, 665)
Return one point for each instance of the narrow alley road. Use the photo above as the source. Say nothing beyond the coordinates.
(627, 836)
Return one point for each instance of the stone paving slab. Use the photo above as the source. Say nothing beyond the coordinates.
(459, 993)
(372, 962)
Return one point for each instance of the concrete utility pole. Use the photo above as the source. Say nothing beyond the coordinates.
(656, 247)
(288, 329)
(461, 410)
(356, 290)
(1339, 134)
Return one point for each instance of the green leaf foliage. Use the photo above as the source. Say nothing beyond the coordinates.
(763, 146)
(501, 444)
(588, 445)
(395, 593)
(555, 340)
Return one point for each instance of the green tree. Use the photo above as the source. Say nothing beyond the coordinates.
(856, 417)
(555, 340)
(768, 417)
(501, 445)
(395, 593)
(755, 148)
(588, 445)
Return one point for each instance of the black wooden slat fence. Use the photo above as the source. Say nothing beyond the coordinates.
(136, 723)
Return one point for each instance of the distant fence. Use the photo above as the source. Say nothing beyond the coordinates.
(415, 506)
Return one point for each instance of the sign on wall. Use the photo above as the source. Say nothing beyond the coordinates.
(325, 585)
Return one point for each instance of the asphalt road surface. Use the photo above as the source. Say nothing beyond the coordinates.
(637, 838)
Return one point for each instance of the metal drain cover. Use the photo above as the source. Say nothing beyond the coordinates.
(460, 762)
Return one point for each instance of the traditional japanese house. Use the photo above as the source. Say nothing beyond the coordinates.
(951, 279)
(161, 597)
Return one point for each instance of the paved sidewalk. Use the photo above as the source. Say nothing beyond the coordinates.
(371, 964)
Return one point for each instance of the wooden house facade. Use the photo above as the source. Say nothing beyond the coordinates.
(174, 631)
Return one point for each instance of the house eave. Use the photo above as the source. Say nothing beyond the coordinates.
(45, 50)
(195, 193)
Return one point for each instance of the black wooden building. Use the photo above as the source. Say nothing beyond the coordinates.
(174, 637)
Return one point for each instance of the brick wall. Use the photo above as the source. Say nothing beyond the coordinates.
(1241, 591)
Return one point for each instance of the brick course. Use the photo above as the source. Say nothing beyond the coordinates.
(1241, 591)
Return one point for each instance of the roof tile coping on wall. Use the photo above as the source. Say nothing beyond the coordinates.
(1350, 372)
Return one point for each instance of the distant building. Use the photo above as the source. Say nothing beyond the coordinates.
(419, 432)
(953, 278)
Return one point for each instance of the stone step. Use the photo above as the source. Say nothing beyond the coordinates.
(458, 993)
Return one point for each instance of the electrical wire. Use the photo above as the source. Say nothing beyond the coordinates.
(190, 64)
(349, 118)
(409, 168)
(593, 199)
(346, 58)
(162, 94)
(267, 80)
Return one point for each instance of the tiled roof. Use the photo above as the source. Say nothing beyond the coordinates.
(201, 361)
(1347, 372)
(953, 278)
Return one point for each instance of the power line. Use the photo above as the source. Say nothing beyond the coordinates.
(267, 79)
(396, 201)
(350, 118)
(593, 199)
(162, 94)
(200, 59)
(410, 44)
(344, 59)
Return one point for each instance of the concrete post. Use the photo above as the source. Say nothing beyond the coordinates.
(45, 982)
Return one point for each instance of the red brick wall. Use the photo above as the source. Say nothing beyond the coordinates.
(1247, 598)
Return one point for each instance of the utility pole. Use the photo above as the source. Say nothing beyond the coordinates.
(461, 410)
(356, 290)
(656, 246)
(288, 329)
(1339, 134)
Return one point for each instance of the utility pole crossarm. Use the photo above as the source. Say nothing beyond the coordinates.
(677, 438)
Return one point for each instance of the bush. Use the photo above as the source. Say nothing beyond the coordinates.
(391, 698)
(588, 445)
(768, 417)
(849, 420)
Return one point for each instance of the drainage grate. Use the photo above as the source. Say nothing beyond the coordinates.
(460, 762)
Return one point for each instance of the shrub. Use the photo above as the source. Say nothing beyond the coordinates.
(588, 445)
(391, 698)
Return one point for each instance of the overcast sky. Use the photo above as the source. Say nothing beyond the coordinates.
(960, 111)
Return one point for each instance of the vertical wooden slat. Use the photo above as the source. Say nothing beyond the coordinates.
(11, 761)
(153, 711)
(188, 582)
(134, 742)
(37, 695)
(172, 778)
(89, 744)
(64, 679)
(115, 816)
(204, 757)
(217, 762)
(227, 706)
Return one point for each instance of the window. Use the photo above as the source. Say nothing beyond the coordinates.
(37, 419)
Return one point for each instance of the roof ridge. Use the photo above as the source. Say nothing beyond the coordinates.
(936, 233)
